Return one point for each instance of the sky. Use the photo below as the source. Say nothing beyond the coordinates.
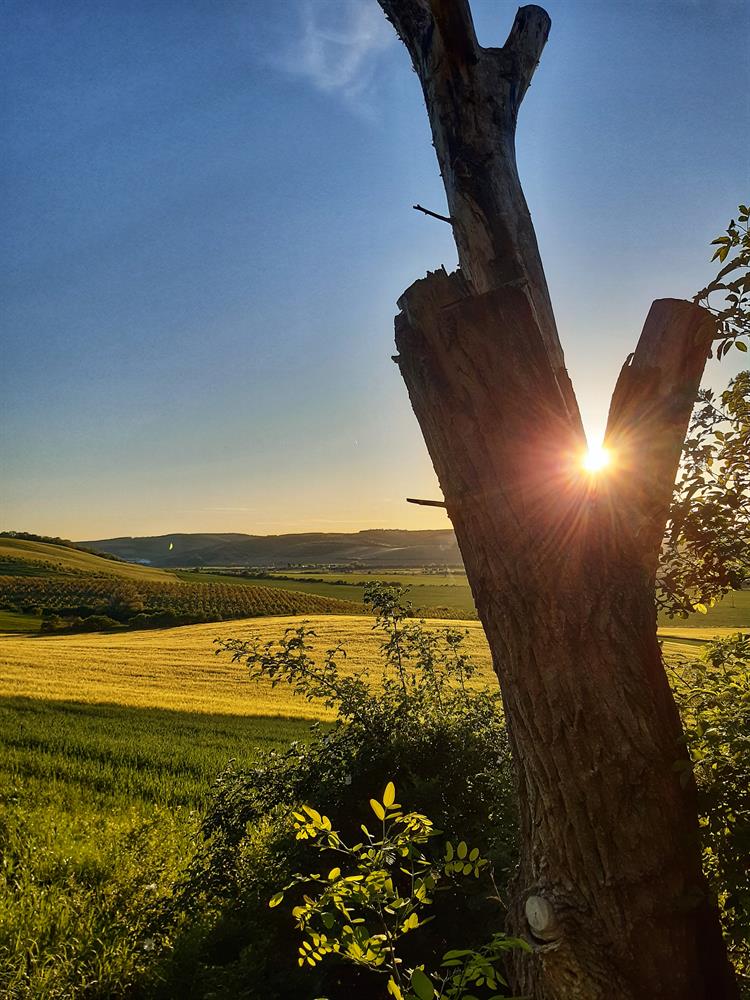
(207, 223)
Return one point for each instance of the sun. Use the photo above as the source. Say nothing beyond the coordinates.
(596, 459)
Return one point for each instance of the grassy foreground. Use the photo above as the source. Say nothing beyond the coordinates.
(99, 807)
(109, 745)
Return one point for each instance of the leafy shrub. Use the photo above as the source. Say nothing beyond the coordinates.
(424, 722)
(363, 915)
(714, 699)
(706, 550)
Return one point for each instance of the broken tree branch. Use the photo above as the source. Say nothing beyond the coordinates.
(426, 503)
(523, 48)
(472, 96)
(433, 215)
(650, 412)
(433, 31)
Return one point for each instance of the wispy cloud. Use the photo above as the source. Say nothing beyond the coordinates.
(215, 510)
(338, 47)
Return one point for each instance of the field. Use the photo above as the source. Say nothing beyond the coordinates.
(85, 595)
(426, 591)
(432, 591)
(99, 807)
(732, 612)
(38, 575)
(57, 559)
(177, 668)
(109, 744)
(13, 621)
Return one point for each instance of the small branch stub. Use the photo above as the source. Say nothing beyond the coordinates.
(425, 503)
(541, 919)
(433, 215)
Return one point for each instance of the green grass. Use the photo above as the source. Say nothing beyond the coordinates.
(14, 621)
(430, 591)
(732, 612)
(425, 591)
(100, 802)
(340, 592)
(407, 577)
(99, 807)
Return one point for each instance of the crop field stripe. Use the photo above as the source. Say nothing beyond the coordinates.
(157, 754)
(214, 600)
(11, 621)
(177, 668)
(427, 596)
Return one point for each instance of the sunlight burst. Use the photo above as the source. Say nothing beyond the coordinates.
(596, 459)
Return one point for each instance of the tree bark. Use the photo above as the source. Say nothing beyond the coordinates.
(610, 891)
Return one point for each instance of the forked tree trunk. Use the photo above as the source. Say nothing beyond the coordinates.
(610, 891)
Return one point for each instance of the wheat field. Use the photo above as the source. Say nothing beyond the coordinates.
(178, 669)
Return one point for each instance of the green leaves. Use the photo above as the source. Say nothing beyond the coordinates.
(725, 245)
(422, 985)
(463, 861)
(729, 301)
(713, 695)
(706, 549)
(389, 806)
(390, 881)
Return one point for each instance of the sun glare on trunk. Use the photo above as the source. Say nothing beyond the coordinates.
(596, 459)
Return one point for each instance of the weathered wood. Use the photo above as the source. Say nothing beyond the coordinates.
(426, 503)
(609, 835)
(472, 96)
(649, 416)
(610, 889)
(432, 215)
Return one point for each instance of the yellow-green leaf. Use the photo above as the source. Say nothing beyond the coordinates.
(377, 808)
(275, 899)
(389, 795)
(395, 990)
(422, 985)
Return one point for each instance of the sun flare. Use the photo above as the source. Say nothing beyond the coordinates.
(596, 459)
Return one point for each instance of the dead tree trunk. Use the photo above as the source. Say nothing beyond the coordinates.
(610, 890)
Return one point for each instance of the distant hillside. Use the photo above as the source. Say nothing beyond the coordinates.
(21, 557)
(65, 543)
(373, 548)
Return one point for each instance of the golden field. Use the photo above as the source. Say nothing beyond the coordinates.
(178, 669)
(59, 559)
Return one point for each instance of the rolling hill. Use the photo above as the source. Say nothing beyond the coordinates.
(21, 557)
(53, 580)
(371, 548)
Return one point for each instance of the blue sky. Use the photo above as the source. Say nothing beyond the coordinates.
(207, 224)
